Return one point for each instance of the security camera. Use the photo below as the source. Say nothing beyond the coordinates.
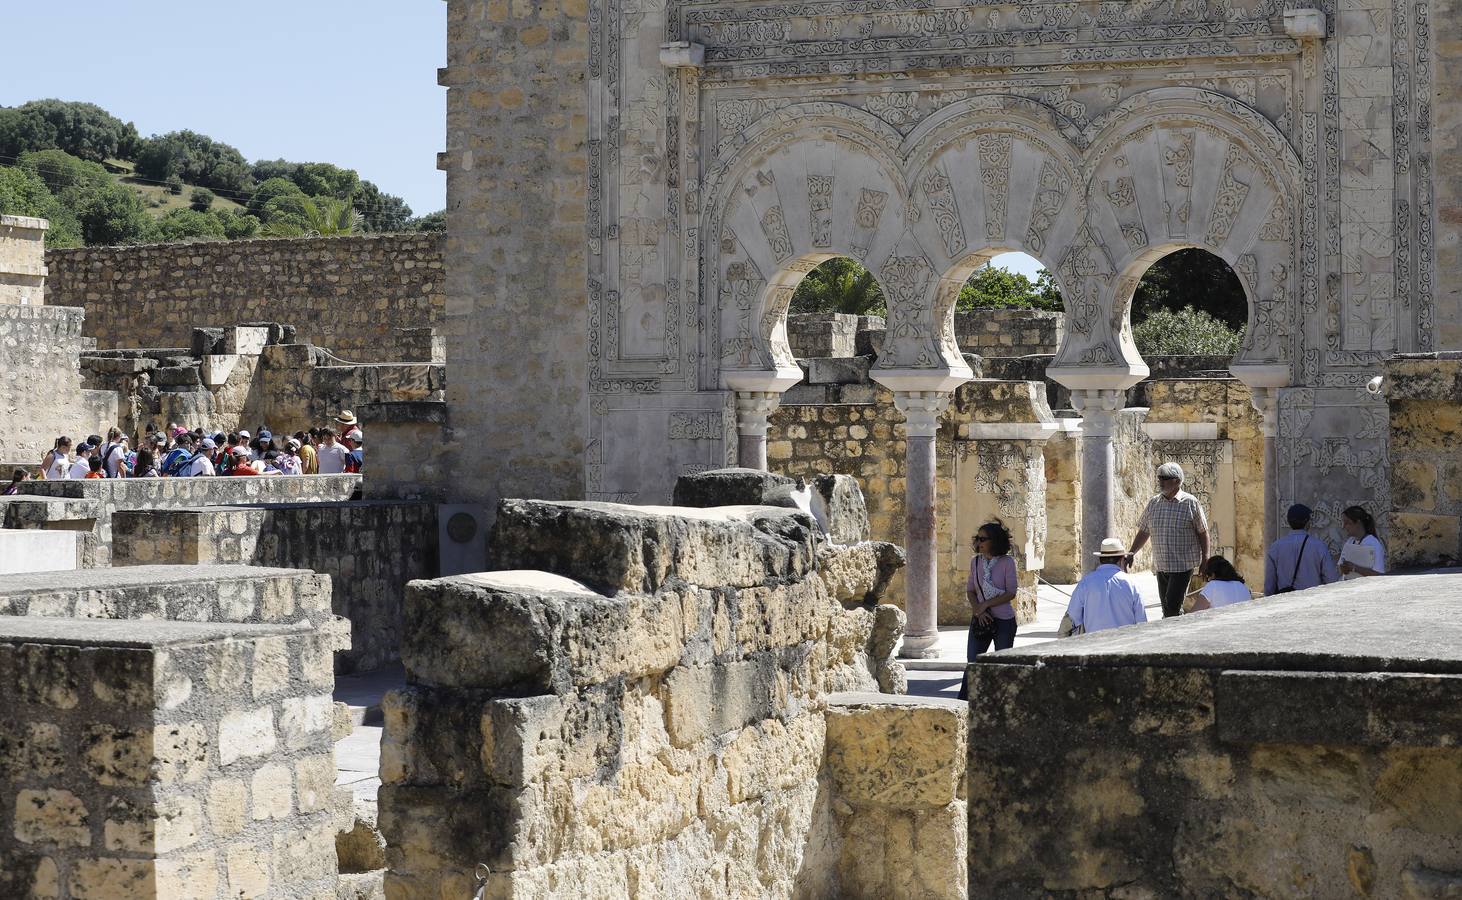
(1373, 386)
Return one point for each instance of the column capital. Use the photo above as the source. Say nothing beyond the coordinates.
(752, 410)
(921, 410)
(1265, 401)
(1098, 408)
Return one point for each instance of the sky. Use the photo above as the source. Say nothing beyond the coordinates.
(349, 82)
(1018, 263)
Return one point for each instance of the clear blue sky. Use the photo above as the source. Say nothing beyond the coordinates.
(350, 82)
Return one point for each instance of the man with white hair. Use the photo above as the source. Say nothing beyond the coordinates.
(1179, 532)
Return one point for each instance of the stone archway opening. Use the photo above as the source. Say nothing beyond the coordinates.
(1189, 313)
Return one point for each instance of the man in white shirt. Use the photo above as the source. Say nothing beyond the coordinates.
(200, 464)
(331, 454)
(82, 466)
(1107, 597)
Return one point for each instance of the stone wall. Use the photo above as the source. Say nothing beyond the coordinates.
(645, 717)
(368, 550)
(87, 505)
(518, 308)
(41, 394)
(1425, 396)
(1244, 751)
(366, 298)
(164, 759)
(1009, 332)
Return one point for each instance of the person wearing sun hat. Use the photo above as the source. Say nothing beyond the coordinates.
(1107, 597)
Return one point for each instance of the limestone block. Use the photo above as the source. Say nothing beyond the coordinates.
(611, 547)
(732, 487)
(904, 753)
(1424, 539)
(839, 370)
(704, 701)
(904, 853)
(858, 574)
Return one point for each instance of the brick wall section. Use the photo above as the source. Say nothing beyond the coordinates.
(158, 759)
(369, 550)
(360, 296)
(164, 493)
(1425, 395)
(517, 301)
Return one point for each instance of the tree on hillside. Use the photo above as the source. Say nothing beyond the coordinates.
(1193, 278)
(188, 225)
(380, 210)
(113, 214)
(271, 190)
(61, 171)
(839, 285)
(326, 180)
(200, 199)
(23, 193)
(83, 130)
(431, 222)
(196, 159)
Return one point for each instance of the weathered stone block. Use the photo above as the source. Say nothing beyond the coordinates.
(732, 487)
(612, 547)
(704, 701)
(838, 504)
(898, 752)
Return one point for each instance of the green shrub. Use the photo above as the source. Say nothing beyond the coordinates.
(200, 199)
(1187, 332)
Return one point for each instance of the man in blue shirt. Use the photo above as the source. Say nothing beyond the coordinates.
(1107, 597)
(1299, 560)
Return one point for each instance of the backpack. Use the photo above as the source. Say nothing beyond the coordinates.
(179, 462)
(106, 457)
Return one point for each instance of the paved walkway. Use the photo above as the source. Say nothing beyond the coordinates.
(940, 676)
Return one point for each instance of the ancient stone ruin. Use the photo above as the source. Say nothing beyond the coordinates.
(628, 653)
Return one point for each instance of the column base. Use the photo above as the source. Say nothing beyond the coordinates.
(919, 646)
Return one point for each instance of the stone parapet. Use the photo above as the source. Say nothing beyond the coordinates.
(22, 260)
(110, 495)
(1182, 758)
(163, 759)
(651, 725)
(368, 550)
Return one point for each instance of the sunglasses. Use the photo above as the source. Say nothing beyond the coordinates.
(980, 539)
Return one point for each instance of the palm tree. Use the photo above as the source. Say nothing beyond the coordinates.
(839, 285)
(315, 217)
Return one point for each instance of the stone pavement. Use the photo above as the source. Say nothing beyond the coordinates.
(940, 676)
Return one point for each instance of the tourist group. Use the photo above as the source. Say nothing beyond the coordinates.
(176, 452)
(1175, 524)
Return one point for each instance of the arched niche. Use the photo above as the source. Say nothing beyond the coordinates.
(809, 183)
(1178, 168)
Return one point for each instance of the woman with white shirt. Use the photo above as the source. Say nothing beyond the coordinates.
(1225, 586)
(1363, 553)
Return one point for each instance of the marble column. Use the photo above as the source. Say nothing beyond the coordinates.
(1098, 408)
(921, 411)
(1266, 402)
(752, 410)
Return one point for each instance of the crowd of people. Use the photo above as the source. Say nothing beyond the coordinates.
(176, 452)
(1175, 524)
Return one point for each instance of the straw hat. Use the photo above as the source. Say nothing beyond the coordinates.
(1112, 547)
(346, 417)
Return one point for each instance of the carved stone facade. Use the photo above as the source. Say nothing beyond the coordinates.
(730, 149)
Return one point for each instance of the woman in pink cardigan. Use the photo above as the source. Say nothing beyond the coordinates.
(990, 588)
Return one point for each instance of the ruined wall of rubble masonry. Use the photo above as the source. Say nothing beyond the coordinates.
(106, 496)
(517, 311)
(368, 550)
(41, 396)
(158, 759)
(1425, 396)
(1009, 332)
(365, 297)
(674, 747)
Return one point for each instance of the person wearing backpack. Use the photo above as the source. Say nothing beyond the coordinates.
(114, 454)
(1299, 560)
(178, 458)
